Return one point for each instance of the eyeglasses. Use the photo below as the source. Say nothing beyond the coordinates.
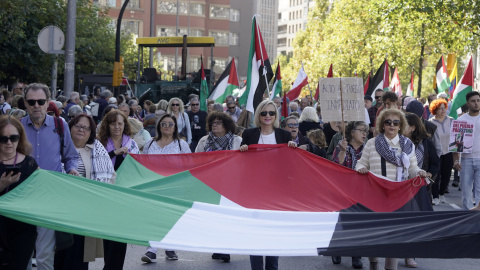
(217, 123)
(231, 108)
(361, 130)
(12, 138)
(50, 113)
(378, 97)
(292, 125)
(165, 124)
(175, 104)
(40, 102)
(390, 122)
(271, 113)
(80, 127)
(194, 104)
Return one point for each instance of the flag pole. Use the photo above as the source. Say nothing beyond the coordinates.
(261, 52)
(307, 83)
(341, 102)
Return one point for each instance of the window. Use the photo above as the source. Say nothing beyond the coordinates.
(234, 15)
(132, 3)
(221, 38)
(130, 27)
(112, 3)
(220, 65)
(171, 8)
(233, 39)
(219, 12)
(193, 64)
(196, 32)
(197, 9)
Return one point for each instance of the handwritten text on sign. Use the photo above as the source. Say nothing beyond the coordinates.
(461, 137)
(330, 99)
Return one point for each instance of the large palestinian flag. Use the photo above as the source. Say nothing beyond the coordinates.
(381, 80)
(442, 79)
(463, 88)
(225, 85)
(295, 204)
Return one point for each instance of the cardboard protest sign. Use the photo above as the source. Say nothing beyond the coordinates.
(352, 96)
(461, 137)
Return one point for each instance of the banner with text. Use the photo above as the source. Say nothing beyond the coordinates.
(461, 137)
(330, 99)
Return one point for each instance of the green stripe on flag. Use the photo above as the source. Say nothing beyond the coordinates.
(132, 173)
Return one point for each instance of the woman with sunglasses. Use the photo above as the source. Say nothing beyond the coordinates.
(175, 108)
(93, 163)
(166, 142)
(267, 131)
(291, 125)
(17, 238)
(395, 151)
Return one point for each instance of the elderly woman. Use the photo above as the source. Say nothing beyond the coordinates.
(290, 124)
(221, 134)
(139, 134)
(16, 165)
(93, 163)
(166, 142)
(267, 131)
(308, 120)
(114, 134)
(438, 108)
(175, 108)
(397, 153)
(74, 111)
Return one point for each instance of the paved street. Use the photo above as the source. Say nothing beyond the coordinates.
(192, 260)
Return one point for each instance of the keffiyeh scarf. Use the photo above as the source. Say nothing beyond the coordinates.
(126, 142)
(214, 143)
(402, 162)
(102, 166)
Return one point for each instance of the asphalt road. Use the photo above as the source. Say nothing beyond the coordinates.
(193, 260)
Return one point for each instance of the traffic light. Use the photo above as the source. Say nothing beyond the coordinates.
(118, 72)
(115, 74)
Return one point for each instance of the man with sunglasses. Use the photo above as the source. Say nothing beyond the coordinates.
(198, 122)
(42, 133)
(233, 110)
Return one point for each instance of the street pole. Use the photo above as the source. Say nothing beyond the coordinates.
(70, 48)
(176, 34)
(152, 31)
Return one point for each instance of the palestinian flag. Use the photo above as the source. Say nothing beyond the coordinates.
(186, 202)
(227, 82)
(453, 80)
(300, 82)
(203, 89)
(395, 85)
(284, 107)
(277, 83)
(460, 94)
(410, 88)
(330, 71)
(317, 92)
(443, 82)
(367, 84)
(259, 72)
(381, 80)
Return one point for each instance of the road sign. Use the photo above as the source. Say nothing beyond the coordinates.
(51, 40)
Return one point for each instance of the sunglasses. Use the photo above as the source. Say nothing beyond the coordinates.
(378, 97)
(390, 122)
(40, 102)
(194, 104)
(175, 104)
(12, 138)
(231, 108)
(271, 113)
(292, 125)
(164, 125)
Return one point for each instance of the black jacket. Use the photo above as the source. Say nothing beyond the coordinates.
(312, 148)
(252, 135)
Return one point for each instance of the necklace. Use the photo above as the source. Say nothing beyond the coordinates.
(10, 158)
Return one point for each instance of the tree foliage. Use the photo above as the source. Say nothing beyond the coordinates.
(356, 37)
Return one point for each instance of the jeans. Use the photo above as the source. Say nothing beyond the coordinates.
(45, 247)
(271, 262)
(470, 175)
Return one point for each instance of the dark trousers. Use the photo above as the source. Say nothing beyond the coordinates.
(72, 257)
(271, 262)
(443, 178)
(19, 239)
(114, 254)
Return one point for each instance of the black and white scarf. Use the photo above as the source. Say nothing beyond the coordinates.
(402, 162)
(419, 153)
(214, 143)
(353, 154)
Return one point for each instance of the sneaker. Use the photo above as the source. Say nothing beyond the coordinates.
(220, 256)
(149, 257)
(455, 183)
(442, 199)
(435, 201)
(410, 263)
(171, 255)
(336, 259)
(357, 263)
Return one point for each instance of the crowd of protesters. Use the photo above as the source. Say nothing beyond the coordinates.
(399, 139)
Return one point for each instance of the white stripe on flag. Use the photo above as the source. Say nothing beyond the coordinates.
(220, 229)
(254, 79)
(220, 89)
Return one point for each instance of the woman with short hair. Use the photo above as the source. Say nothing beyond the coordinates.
(221, 134)
(308, 120)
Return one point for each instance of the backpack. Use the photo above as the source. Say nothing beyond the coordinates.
(94, 108)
